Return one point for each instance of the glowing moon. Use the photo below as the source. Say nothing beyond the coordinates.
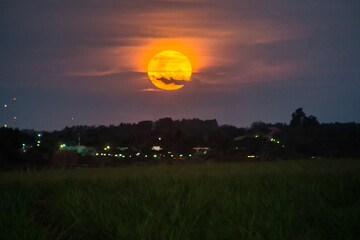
(169, 70)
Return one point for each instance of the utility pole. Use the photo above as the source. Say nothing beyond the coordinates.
(79, 139)
(14, 117)
(5, 116)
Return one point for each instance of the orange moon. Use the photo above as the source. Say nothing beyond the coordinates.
(169, 70)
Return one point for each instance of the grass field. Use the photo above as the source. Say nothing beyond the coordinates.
(318, 199)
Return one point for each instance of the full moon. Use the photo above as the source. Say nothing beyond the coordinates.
(169, 70)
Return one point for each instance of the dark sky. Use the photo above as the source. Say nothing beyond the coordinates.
(252, 60)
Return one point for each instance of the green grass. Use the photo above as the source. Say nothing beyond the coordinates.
(317, 199)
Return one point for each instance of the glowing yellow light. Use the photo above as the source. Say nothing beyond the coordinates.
(169, 70)
(5, 105)
(15, 118)
(14, 99)
(5, 125)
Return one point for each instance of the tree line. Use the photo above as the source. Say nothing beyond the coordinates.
(303, 137)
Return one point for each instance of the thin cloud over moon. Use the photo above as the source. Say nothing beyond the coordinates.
(151, 90)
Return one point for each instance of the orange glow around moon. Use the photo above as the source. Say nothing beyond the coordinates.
(169, 70)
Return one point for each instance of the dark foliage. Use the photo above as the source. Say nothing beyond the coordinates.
(304, 137)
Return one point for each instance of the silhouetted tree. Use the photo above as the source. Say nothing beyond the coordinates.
(260, 128)
(311, 121)
(164, 124)
(297, 118)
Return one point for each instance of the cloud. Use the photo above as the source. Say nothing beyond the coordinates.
(95, 39)
(151, 90)
(92, 73)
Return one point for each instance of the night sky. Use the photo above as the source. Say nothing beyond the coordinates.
(252, 60)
